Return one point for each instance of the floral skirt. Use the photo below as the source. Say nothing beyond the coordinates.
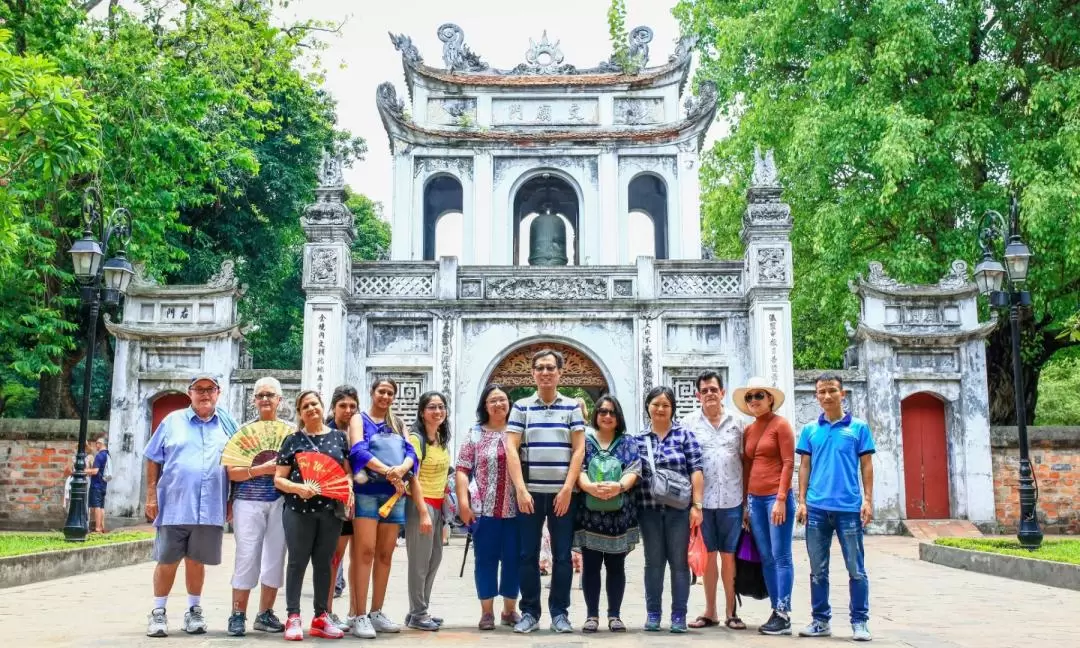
(607, 531)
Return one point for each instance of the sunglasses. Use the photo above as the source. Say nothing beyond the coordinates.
(756, 396)
(603, 411)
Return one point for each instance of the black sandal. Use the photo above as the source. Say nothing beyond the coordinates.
(735, 623)
(703, 622)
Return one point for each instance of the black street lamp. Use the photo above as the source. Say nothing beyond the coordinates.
(97, 283)
(990, 275)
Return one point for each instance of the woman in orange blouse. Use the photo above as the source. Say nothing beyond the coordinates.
(768, 463)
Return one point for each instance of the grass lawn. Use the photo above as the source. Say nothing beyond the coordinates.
(18, 544)
(1066, 551)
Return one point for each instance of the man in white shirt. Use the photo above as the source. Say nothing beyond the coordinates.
(720, 436)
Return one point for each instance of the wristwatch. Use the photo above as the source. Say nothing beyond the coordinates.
(699, 505)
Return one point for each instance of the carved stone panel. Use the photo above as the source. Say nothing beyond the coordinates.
(632, 111)
(683, 381)
(324, 266)
(459, 167)
(177, 313)
(930, 361)
(772, 267)
(471, 289)
(452, 111)
(553, 288)
(692, 337)
(545, 112)
(171, 358)
(398, 338)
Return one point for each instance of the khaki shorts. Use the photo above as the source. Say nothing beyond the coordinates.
(199, 542)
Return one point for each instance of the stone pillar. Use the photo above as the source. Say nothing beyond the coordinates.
(478, 249)
(768, 279)
(402, 247)
(610, 207)
(330, 230)
(685, 242)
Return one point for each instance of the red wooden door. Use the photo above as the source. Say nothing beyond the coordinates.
(926, 462)
(166, 405)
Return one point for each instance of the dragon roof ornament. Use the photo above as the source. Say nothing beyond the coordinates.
(456, 54)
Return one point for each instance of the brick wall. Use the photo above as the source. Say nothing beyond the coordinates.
(33, 456)
(1055, 458)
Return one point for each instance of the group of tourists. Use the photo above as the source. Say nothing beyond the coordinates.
(540, 465)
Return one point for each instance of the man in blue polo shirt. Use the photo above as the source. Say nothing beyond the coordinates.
(834, 451)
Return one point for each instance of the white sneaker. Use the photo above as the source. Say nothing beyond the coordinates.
(345, 625)
(158, 625)
(194, 623)
(361, 627)
(382, 623)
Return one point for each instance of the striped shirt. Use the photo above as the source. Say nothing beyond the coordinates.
(545, 445)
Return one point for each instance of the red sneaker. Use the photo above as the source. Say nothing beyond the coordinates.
(294, 628)
(322, 626)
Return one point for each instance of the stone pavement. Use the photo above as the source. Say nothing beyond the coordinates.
(913, 604)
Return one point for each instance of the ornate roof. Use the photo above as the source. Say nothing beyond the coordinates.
(544, 64)
(954, 284)
(700, 112)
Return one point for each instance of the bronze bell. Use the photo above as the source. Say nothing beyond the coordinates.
(547, 240)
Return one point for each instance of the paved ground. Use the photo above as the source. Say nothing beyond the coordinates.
(912, 604)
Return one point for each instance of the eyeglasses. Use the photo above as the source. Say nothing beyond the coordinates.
(756, 396)
(265, 396)
(545, 368)
(203, 391)
(434, 408)
(709, 390)
(603, 411)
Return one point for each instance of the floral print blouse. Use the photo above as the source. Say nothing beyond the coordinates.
(482, 458)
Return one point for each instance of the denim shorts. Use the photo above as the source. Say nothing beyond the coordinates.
(720, 528)
(96, 497)
(367, 506)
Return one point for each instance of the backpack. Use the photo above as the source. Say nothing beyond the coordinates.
(604, 467)
(107, 472)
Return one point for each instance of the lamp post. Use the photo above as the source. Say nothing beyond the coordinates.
(97, 283)
(990, 275)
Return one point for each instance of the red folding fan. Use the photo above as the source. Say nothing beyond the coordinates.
(325, 474)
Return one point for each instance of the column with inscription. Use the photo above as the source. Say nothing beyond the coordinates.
(330, 230)
(768, 278)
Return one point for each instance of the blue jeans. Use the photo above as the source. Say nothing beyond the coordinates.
(820, 525)
(774, 545)
(531, 530)
(495, 545)
(666, 536)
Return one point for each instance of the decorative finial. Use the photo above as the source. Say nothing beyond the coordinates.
(764, 174)
(330, 171)
(456, 54)
(404, 44)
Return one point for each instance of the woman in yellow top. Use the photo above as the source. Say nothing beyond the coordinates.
(430, 436)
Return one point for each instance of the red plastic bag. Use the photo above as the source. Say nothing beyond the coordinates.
(697, 556)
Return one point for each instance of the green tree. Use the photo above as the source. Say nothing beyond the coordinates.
(48, 137)
(372, 232)
(896, 124)
(205, 127)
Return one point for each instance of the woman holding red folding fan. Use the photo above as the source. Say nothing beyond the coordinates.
(311, 523)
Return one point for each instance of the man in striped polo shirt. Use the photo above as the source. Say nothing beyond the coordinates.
(545, 449)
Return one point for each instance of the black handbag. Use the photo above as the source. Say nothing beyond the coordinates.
(749, 576)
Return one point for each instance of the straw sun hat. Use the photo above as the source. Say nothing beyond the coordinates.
(756, 384)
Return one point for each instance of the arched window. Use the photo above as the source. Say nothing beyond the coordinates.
(648, 194)
(442, 196)
(551, 198)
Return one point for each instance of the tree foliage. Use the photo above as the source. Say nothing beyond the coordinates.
(205, 119)
(896, 124)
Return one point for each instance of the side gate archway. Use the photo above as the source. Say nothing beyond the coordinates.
(514, 371)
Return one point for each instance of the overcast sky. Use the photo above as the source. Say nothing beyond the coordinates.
(362, 57)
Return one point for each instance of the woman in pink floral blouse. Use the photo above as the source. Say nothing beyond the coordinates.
(486, 504)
